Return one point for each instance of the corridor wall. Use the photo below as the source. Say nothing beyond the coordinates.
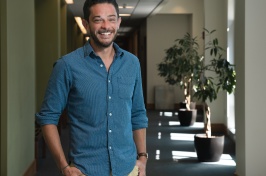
(17, 86)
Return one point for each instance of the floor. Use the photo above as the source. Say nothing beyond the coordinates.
(171, 150)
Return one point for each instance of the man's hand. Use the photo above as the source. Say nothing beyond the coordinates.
(141, 163)
(72, 171)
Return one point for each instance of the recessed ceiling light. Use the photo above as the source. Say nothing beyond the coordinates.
(124, 14)
(124, 6)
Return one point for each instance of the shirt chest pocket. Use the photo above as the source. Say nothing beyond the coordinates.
(126, 87)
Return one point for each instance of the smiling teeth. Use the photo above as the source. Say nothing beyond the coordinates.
(106, 33)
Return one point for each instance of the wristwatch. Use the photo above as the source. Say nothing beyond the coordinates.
(142, 155)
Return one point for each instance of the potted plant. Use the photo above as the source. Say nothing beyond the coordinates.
(209, 148)
(178, 68)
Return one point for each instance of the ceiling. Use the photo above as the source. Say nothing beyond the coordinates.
(140, 9)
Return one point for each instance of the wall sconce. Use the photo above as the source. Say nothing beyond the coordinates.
(79, 22)
(69, 1)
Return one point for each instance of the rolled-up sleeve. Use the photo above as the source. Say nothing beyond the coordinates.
(139, 117)
(56, 95)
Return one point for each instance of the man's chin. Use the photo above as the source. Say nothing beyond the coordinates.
(103, 41)
(105, 44)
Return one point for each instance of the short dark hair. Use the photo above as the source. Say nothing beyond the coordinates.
(89, 3)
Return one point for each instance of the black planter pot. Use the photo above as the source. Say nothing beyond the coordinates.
(187, 118)
(209, 149)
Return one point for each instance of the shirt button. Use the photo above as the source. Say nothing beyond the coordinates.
(101, 65)
(109, 97)
(110, 114)
(109, 80)
(110, 147)
(110, 131)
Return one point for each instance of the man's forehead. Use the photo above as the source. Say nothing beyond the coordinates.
(103, 7)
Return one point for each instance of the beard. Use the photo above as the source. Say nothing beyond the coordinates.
(103, 44)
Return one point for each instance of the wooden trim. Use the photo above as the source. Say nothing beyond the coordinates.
(176, 106)
(216, 127)
(198, 106)
(31, 171)
(150, 106)
(219, 128)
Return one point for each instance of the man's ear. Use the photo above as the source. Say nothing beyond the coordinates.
(85, 23)
(119, 22)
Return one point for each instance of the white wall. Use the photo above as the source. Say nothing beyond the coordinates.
(210, 14)
(17, 86)
(250, 95)
(162, 33)
(48, 44)
(163, 30)
(231, 58)
(216, 18)
(194, 7)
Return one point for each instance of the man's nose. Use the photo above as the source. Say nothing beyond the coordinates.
(105, 24)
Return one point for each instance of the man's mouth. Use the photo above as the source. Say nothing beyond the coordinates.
(105, 33)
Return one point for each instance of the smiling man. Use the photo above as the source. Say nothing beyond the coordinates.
(100, 86)
(102, 24)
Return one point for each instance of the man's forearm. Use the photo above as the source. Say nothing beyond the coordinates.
(140, 140)
(52, 139)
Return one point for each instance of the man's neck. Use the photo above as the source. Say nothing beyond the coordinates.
(104, 52)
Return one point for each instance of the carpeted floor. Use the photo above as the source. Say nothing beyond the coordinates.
(172, 153)
(171, 150)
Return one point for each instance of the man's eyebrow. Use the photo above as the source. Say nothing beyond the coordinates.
(112, 16)
(98, 16)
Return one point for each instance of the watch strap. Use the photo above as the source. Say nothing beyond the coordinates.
(143, 155)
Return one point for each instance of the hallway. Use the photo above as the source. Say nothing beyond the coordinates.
(171, 150)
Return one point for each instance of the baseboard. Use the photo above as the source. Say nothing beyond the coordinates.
(198, 106)
(31, 171)
(216, 127)
(219, 128)
(150, 106)
(231, 135)
(176, 106)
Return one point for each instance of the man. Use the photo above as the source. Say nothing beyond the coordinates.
(100, 86)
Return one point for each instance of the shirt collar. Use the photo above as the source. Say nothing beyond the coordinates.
(88, 50)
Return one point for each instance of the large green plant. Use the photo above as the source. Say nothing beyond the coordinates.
(184, 66)
(222, 76)
(179, 65)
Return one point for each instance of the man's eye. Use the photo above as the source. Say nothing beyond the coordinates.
(112, 19)
(97, 20)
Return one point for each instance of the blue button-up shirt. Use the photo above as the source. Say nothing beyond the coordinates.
(104, 108)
